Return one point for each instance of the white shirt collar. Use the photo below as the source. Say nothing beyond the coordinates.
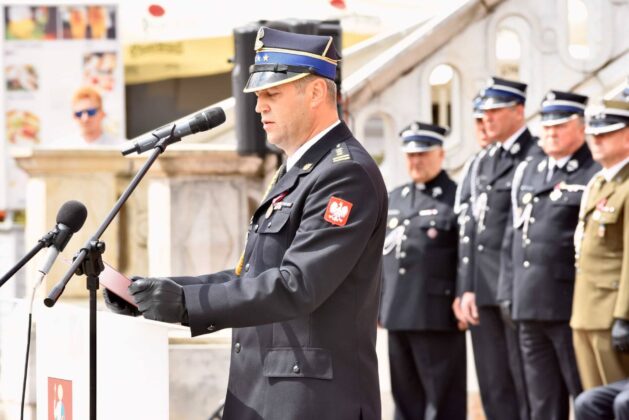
(559, 163)
(294, 158)
(509, 142)
(610, 173)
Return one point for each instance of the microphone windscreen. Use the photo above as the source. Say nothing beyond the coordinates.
(72, 214)
(211, 118)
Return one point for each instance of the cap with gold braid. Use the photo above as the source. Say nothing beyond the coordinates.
(283, 57)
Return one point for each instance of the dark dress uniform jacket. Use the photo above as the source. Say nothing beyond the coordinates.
(493, 179)
(304, 310)
(543, 243)
(420, 265)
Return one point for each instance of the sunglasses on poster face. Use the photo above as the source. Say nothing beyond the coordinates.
(89, 111)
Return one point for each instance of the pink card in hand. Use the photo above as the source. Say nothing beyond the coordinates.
(116, 283)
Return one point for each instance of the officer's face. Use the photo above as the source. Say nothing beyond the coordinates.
(424, 166)
(563, 139)
(501, 123)
(610, 148)
(285, 117)
(481, 134)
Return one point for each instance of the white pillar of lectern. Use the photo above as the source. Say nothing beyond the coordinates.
(132, 380)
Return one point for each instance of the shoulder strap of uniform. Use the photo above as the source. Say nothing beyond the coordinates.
(341, 153)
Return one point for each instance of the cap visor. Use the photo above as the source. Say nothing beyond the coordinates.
(419, 148)
(557, 121)
(266, 79)
(494, 103)
(603, 129)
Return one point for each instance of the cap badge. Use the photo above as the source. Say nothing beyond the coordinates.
(259, 44)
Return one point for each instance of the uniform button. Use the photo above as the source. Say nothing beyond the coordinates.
(614, 285)
(269, 225)
(532, 220)
(211, 327)
(432, 223)
(528, 242)
(466, 240)
(489, 188)
(466, 260)
(406, 222)
(247, 266)
(404, 237)
(526, 264)
(296, 369)
(402, 271)
(480, 248)
(237, 347)
(402, 254)
(467, 218)
(536, 199)
(256, 227)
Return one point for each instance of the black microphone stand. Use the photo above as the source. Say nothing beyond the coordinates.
(44, 242)
(89, 261)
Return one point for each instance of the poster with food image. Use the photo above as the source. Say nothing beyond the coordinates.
(30, 22)
(43, 67)
(21, 77)
(88, 22)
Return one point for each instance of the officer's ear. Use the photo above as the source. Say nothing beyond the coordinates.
(318, 91)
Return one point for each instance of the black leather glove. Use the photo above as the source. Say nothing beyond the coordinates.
(117, 304)
(505, 313)
(160, 299)
(620, 335)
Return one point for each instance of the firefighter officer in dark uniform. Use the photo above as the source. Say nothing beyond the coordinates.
(426, 349)
(546, 195)
(303, 300)
(496, 349)
(463, 209)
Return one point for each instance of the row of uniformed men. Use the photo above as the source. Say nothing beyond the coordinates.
(499, 251)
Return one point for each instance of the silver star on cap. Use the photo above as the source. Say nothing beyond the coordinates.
(572, 165)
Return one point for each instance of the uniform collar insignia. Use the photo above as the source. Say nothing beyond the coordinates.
(572, 165)
(515, 148)
(541, 167)
(405, 191)
(436, 192)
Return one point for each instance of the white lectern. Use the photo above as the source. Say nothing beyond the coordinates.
(132, 353)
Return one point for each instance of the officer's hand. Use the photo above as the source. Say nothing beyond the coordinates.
(160, 299)
(469, 309)
(505, 313)
(458, 314)
(620, 335)
(117, 304)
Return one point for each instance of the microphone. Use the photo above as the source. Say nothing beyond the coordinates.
(202, 121)
(70, 219)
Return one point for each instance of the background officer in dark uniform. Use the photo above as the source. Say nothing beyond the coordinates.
(600, 309)
(463, 209)
(546, 196)
(496, 348)
(304, 300)
(426, 349)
